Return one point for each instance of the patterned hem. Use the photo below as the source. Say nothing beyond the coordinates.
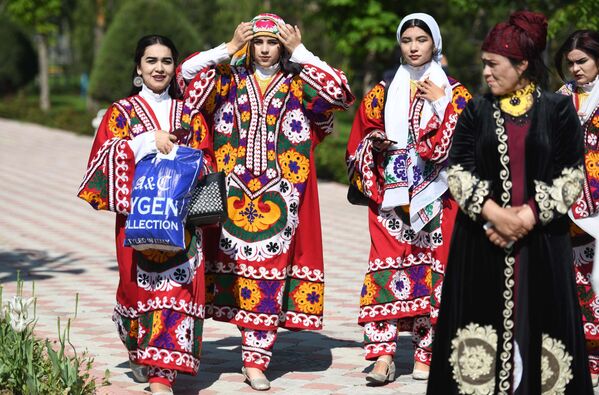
(166, 359)
(263, 321)
(591, 331)
(399, 309)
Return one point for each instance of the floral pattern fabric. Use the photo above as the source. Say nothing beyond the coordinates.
(159, 313)
(265, 264)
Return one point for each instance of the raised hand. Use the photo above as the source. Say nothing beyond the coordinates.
(243, 33)
(290, 36)
(429, 91)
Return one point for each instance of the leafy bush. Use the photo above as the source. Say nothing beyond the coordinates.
(18, 63)
(330, 154)
(32, 366)
(111, 74)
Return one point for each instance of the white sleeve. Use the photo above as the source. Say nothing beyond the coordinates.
(302, 56)
(143, 145)
(439, 107)
(212, 57)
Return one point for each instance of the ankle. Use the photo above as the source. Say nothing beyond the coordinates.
(421, 366)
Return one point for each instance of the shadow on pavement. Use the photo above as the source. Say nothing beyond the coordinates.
(299, 352)
(34, 265)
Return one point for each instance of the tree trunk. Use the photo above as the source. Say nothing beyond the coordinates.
(367, 82)
(42, 57)
(100, 25)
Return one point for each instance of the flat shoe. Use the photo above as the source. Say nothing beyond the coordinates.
(595, 379)
(381, 379)
(140, 372)
(420, 374)
(261, 384)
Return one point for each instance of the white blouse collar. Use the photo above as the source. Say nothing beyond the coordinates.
(149, 95)
(266, 72)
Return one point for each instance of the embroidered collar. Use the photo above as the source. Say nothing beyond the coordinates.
(519, 102)
(150, 96)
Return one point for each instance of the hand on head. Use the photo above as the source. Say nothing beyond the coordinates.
(290, 36)
(243, 33)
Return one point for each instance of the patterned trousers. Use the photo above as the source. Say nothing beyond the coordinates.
(256, 347)
(380, 338)
(162, 376)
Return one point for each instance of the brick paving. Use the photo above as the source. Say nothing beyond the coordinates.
(58, 242)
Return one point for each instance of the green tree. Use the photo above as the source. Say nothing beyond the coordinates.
(42, 17)
(16, 67)
(111, 74)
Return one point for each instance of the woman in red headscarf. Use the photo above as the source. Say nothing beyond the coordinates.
(510, 320)
(267, 111)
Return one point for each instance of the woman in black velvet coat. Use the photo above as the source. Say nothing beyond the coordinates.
(509, 320)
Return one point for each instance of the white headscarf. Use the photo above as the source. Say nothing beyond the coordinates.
(397, 110)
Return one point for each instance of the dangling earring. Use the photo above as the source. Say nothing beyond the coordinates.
(138, 81)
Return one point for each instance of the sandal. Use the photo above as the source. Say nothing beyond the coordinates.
(381, 379)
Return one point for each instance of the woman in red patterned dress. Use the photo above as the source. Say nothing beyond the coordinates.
(396, 153)
(160, 298)
(581, 53)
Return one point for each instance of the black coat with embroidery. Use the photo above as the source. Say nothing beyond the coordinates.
(494, 298)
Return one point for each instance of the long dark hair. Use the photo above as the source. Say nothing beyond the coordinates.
(586, 41)
(418, 23)
(142, 44)
(536, 71)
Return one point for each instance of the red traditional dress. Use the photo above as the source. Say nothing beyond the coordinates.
(586, 206)
(160, 297)
(265, 264)
(403, 281)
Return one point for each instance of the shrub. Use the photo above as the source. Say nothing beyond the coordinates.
(18, 63)
(32, 366)
(111, 75)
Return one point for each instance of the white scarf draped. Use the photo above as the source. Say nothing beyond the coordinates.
(397, 110)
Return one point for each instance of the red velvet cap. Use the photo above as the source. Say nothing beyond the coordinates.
(523, 36)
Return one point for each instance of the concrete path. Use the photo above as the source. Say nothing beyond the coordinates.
(66, 248)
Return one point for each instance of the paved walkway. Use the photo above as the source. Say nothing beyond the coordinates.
(63, 245)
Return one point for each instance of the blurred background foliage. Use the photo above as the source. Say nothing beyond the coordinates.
(69, 58)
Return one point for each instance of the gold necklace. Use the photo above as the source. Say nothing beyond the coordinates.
(519, 102)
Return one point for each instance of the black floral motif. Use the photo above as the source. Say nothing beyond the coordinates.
(287, 232)
(180, 275)
(247, 250)
(394, 224)
(437, 238)
(409, 234)
(272, 247)
(143, 279)
(293, 207)
(284, 187)
(225, 243)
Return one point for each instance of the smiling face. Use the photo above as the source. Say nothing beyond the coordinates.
(157, 67)
(416, 46)
(582, 66)
(266, 50)
(501, 75)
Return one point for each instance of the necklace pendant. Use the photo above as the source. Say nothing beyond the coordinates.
(514, 101)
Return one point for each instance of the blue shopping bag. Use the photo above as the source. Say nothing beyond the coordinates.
(161, 191)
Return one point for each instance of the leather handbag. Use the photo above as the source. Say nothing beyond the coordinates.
(208, 203)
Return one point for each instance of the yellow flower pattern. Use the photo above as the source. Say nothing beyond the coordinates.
(253, 215)
(271, 120)
(94, 198)
(117, 124)
(461, 97)
(156, 323)
(375, 102)
(254, 185)
(309, 298)
(295, 166)
(245, 116)
(368, 292)
(226, 157)
(596, 121)
(133, 329)
(296, 88)
(591, 163)
(284, 88)
(247, 293)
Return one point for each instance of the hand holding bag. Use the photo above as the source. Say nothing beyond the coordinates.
(208, 204)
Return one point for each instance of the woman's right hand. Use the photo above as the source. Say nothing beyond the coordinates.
(164, 141)
(505, 221)
(243, 33)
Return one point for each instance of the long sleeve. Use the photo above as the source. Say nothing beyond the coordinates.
(107, 183)
(363, 162)
(434, 141)
(466, 186)
(554, 198)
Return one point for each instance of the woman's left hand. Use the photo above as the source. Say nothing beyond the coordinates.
(429, 91)
(290, 36)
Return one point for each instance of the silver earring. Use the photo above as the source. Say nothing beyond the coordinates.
(138, 81)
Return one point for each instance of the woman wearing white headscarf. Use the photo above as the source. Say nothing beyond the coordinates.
(396, 156)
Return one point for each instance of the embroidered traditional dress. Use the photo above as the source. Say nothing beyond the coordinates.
(160, 297)
(265, 264)
(510, 321)
(587, 205)
(405, 268)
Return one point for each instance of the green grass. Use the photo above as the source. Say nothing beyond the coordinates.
(67, 111)
(330, 154)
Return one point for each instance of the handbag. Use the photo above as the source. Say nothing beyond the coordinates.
(356, 197)
(208, 203)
